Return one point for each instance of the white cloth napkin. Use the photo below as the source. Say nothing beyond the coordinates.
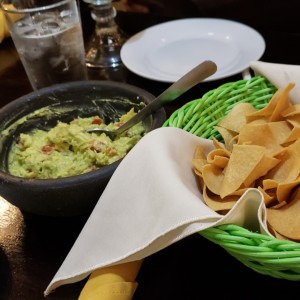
(152, 201)
(280, 75)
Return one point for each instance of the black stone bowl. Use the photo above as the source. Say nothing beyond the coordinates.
(74, 195)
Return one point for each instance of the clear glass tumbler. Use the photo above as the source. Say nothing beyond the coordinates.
(48, 37)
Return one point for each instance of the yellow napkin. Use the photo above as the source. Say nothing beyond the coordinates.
(4, 32)
(112, 283)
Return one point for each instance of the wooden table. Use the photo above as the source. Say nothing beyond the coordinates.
(32, 248)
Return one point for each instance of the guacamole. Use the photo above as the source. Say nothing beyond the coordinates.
(67, 149)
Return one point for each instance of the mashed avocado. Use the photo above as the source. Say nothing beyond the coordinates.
(67, 149)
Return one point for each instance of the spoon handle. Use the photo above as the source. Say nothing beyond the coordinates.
(183, 84)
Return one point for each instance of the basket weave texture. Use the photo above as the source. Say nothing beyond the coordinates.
(263, 254)
(201, 115)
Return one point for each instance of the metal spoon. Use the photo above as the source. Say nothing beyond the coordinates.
(183, 84)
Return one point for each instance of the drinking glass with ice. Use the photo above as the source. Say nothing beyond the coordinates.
(48, 38)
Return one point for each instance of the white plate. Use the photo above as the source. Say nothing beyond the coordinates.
(167, 51)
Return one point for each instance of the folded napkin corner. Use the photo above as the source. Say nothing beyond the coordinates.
(280, 75)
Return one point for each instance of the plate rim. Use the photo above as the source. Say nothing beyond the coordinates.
(139, 36)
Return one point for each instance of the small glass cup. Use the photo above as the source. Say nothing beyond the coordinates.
(48, 37)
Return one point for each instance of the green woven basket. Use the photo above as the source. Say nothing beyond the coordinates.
(262, 253)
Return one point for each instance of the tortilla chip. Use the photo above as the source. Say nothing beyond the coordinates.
(294, 134)
(236, 118)
(244, 158)
(268, 197)
(282, 104)
(271, 135)
(213, 177)
(219, 157)
(228, 136)
(285, 190)
(288, 169)
(292, 111)
(285, 220)
(216, 203)
(199, 153)
(278, 103)
(266, 164)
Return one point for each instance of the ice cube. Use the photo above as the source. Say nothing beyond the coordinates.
(50, 26)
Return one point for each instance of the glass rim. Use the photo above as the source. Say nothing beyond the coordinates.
(34, 9)
(99, 2)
